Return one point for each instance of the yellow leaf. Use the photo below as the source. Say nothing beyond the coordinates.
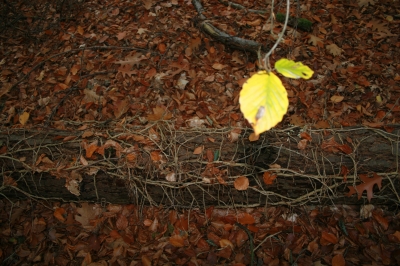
(263, 101)
(23, 118)
(292, 69)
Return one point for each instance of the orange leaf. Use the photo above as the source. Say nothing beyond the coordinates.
(80, 30)
(114, 234)
(155, 156)
(241, 183)
(328, 238)
(23, 118)
(253, 228)
(367, 185)
(225, 243)
(269, 178)
(344, 171)
(198, 150)
(59, 214)
(345, 148)
(246, 218)
(338, 260)
(131, 157)
(162, 47)
(91, 149)
(177, 241)
(158, 114)
(147, 222)
(305, 135)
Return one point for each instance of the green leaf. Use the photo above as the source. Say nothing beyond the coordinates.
(263, 101)
(292, 69)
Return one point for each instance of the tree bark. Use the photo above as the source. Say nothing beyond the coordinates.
(157, 165)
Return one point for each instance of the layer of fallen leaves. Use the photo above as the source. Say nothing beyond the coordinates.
(150, 55)
(34, 232)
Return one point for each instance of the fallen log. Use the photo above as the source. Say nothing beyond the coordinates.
(159, 165)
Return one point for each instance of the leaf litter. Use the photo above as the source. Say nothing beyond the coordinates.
(102, 84)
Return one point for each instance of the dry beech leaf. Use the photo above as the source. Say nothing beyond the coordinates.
(147, 222)
(198, 150)
(241, 183)
(122, 222)
(305, 135)
(246, 218)
(381, 220)
(337, 98)
(83, 160)
(302, 145)
(24, 118)
(59, 214)
(146, 261)
(328, 238)
(225, 243)
(275, 166)
(269, 178)
(154, 225)
(87, 134)
(338, 260)
(121, 35)
(176, 241)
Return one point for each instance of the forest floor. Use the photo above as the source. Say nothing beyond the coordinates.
(130, 63)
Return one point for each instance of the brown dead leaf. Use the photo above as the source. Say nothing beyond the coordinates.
(210, 155)
(225, 243)
(159, 113)
(146, 261)
(381, 220)
(302, 144)
(338, 260)
(246, 218)
(337, 98)
(87, 134)
(59, 214)
(9, 181)
(241, 183)
(177, 241)
(120, 108)
(24, 118)
(121, 35)
(122, 222)
(367, 185)
(85, 214)
(328, 238)
(344, 171)
(334, 49)
(198, 150)
(269, 178)
(72, 183)
(305, 135)
(148, 4)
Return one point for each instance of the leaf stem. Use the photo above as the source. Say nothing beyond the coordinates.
(266, 57)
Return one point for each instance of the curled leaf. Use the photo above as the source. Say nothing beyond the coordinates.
(292, 69)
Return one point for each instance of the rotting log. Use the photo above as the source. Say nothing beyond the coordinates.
(156, 165)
